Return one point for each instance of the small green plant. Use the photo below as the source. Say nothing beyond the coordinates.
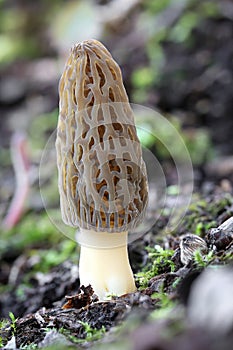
(90, 334)
(27, 234)
(52, 257)
(176, 282)
(163, 299)
(3, 324)
(13, 322)
(159, 261)
(202, 260)
(164, 305)
(227, 257)
(1, 342)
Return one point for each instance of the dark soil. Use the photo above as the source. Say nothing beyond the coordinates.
(45, 315)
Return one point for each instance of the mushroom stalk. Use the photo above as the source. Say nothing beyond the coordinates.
(106, 266)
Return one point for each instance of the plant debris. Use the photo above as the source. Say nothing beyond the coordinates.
(83, 299)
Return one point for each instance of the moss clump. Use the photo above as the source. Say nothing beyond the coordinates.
(158, 261)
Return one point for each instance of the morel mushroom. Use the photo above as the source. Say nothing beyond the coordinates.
(102, 176)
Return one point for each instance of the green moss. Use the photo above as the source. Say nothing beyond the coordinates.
(3, 324)
(89, 334)
(4, 328)
(159, 261)
(92, 334)
(142, 77)
(202, 260)
(52, 257)
(164, 305)
(34, 228)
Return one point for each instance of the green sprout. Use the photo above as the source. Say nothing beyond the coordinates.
(13, 322)
(92, 334)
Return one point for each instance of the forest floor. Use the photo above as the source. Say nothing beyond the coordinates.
(183, 277)
(50, 309)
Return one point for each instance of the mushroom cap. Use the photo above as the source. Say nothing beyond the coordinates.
(102, 177)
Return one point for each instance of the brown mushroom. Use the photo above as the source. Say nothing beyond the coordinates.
(102, 176)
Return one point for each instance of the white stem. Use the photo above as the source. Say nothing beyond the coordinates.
(103, 266)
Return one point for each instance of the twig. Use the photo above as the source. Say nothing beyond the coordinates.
(21, 168)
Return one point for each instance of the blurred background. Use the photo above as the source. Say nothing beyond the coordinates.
(176, 57)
